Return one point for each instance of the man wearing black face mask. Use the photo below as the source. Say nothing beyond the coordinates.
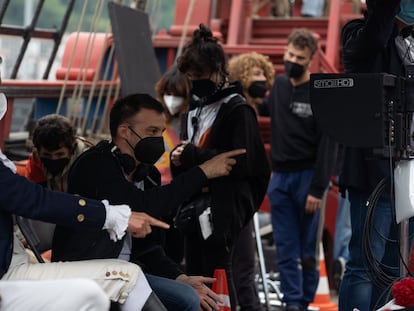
(149, 149)
(302, 162)
(119, 171)
(56, 147)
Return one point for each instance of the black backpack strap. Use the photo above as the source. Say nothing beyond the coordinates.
(183, 126)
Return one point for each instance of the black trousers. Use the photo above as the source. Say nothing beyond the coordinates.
(202, 257)
(238, 259)
(244, 270)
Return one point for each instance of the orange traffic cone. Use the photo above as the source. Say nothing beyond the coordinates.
(47, 255)
(220, 288)
(322, 298)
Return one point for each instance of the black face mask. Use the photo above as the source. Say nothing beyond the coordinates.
(55, 167)
(257, 89)
(294, 70)
(203, 88)
(149, 149)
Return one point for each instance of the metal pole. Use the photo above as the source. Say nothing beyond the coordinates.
(333, 45)
(261, 259)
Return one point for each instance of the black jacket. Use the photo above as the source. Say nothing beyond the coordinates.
(368, 46)
(236, 197)
(98, 174)
(296, 141)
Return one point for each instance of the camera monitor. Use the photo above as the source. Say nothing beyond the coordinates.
(357, 110)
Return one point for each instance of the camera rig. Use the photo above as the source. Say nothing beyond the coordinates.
(367, 110)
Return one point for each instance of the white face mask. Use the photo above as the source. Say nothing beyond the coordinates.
(173, 103)
(3, 105)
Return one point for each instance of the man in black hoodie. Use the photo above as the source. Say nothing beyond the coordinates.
(302, 161)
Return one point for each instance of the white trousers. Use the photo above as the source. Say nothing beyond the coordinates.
(68, 295)
(118, 278)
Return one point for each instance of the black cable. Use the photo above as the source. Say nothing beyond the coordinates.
(376, 269)
(381, 274)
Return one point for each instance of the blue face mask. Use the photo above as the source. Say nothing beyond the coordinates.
(406, 13)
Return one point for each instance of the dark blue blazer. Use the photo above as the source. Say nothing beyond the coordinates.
(22, 197)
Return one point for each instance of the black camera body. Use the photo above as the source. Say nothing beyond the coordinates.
(367, 110)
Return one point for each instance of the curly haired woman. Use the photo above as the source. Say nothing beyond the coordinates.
(256, 73)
